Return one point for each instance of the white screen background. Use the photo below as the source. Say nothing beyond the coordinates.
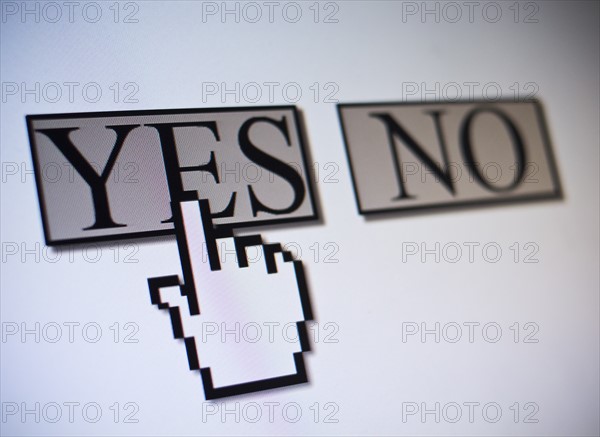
(371, 54)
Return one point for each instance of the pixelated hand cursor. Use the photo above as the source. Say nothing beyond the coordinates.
(240, 309)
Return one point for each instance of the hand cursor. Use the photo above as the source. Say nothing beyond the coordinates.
(243, 323)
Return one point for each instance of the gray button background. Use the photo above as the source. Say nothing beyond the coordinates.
(375, 181)
(137, 188)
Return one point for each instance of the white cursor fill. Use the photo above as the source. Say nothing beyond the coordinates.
(240, 306)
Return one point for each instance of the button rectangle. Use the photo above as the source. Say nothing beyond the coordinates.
(419, 155)
(101, 176)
